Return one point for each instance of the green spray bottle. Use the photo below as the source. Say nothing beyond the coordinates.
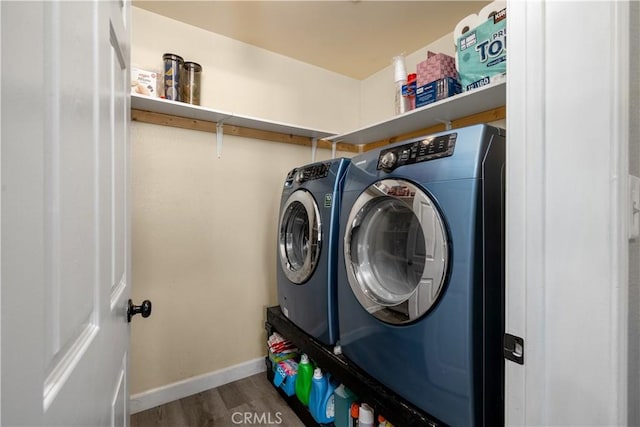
(303, 380)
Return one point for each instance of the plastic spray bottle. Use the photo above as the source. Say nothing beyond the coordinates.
(303, 380)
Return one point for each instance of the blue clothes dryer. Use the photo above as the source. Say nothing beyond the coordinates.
(308, 247)
(421, 285)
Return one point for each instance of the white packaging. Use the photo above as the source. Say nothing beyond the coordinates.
(144, 82)
(365, 417)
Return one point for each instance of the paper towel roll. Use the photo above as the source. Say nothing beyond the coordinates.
(491, 9)
(467, 23)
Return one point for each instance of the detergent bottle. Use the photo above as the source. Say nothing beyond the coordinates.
(355, 414)
(321, 399)
(365, 416)
(303, 380)
(343, 400)
(383, 422)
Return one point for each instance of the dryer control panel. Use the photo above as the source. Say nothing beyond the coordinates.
(307, 173)
(429, 148)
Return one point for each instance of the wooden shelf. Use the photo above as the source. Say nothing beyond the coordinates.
(482, 105)
(477, 106)
(178, 114)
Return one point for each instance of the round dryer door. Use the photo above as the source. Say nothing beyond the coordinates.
(396, 251)
(300, 236)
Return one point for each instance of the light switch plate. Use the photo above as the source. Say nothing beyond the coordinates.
(634, 207)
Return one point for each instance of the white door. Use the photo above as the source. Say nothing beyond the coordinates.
(566, 252)
(65, 213)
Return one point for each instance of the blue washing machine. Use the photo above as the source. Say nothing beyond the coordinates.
(421, 285)
(308, 247)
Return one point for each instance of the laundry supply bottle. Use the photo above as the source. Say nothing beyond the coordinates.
(303, 380)
(410, 93)
(343, 400)
(321, 398)
(355, 413)
(365, 416)
(383, 422)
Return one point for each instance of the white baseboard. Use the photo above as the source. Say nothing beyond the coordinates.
(170, 392)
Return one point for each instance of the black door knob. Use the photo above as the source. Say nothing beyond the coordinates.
(144, 309)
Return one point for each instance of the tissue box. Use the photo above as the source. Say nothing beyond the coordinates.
(285, 376)
(435, 91)
(482, 52)
(437, 66)
(144, 82)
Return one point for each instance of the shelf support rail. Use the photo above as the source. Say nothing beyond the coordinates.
(333, 149)
(220, 134)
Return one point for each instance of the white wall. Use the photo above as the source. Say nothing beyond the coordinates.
(204, 236)
(204, 228)
(247, 80)
(377, 92)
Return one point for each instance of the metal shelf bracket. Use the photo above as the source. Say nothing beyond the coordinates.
(220, 134)
(447, 123)
(314, 149)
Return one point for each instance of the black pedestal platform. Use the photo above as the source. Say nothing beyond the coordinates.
(384, 401)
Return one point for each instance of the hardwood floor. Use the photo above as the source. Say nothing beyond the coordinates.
(251, 401)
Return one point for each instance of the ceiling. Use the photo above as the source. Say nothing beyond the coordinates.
(354, 38)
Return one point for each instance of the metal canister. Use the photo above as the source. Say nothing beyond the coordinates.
(191, 83)
(172, 70)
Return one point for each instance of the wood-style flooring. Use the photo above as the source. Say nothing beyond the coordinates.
(250, 401)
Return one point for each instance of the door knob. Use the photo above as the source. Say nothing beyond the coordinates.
(144, 309)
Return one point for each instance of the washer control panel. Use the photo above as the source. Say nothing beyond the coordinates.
(422, 150)
(307, 173)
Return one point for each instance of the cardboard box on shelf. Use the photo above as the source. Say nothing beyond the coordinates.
(144, 82)
(285, 376)
(437, 90)
(437, 66)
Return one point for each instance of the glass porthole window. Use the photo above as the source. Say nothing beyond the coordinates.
(396, 251)
(299, 236)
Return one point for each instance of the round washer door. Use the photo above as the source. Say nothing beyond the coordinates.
(396, 251)
(300, 236)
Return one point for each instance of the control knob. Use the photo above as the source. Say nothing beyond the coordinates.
(299, 176)
(388, 160)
